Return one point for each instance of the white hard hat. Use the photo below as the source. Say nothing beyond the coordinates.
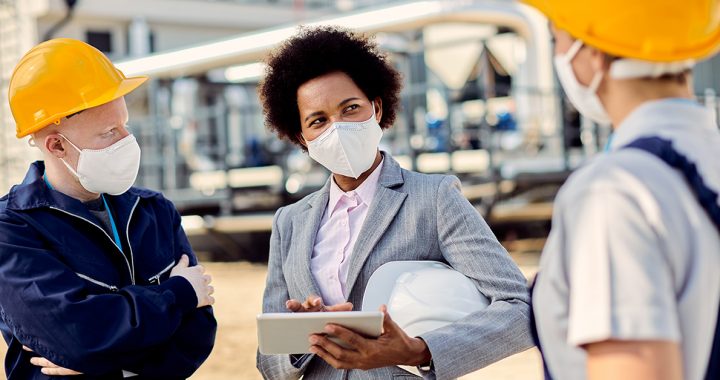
(422, 296)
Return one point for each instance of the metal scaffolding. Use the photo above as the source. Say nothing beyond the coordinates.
(9, 51)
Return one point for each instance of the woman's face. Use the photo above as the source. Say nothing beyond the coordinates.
(331, 98)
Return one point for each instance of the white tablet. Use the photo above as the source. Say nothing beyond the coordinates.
(288, 333)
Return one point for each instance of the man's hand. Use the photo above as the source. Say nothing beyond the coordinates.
(49, 368)
(197, 278)
(314, 304)
(393, 347)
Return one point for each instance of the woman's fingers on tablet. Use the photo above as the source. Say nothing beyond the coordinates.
(313, 303)
(332, 348)
(351, 338)
(319, 351)
(347, 306)
(388, 324)
(293, 305)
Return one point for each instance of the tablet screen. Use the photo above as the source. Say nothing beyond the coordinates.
(288, 333)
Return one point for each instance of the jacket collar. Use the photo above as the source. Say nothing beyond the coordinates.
(33, 193)
(381, 213)
(391, 174)
(390, 177)
(663, 118)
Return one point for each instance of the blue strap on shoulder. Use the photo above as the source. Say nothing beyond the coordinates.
(708, 199)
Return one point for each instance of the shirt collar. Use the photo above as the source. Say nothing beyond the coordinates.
(365, 192)
(654, 117)
(33, 193)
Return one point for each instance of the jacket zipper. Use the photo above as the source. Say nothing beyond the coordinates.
(127, 232)
(96, 282)
(162, 272)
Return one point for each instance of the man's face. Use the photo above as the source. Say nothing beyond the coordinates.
(94, 128)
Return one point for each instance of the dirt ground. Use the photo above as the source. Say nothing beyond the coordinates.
(239, 289)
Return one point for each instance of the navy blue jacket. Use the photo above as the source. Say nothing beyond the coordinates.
(69, 293)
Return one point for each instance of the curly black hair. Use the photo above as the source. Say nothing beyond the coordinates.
(317, 51)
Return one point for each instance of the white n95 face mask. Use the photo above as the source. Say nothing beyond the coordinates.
(347, 148)
(111, 170)
(585, 99)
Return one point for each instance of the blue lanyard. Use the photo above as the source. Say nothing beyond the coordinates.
(609, 142)
(116, 235)
(47, 182)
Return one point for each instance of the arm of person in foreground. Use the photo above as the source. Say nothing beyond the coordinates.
(188, 347)
(622, 306)
(641, 360)
(48, 308)
(498, 331)
(179, 358)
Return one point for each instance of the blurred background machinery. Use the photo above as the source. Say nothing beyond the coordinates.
(480, 102)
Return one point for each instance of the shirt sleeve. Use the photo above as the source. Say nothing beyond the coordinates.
(621, 283)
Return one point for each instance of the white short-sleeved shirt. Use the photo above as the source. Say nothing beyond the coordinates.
(632, 255)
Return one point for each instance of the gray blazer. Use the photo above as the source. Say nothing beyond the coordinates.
(413, 217)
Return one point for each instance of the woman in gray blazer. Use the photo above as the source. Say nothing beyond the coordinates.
(332, 93)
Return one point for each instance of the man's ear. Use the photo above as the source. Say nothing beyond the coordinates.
(599, 60)
(53, 143)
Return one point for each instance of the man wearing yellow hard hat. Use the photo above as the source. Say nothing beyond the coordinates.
(96, 277)
(629, 279)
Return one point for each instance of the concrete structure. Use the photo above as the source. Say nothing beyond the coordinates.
(17, 35)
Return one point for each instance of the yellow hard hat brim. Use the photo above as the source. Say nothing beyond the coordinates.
(604, 29)
(125, 87)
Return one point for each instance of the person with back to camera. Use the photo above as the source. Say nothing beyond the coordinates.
(629, 280)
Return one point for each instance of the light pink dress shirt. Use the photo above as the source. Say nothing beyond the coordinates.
(339, 230)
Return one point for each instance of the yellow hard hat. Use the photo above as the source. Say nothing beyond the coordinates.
(649, 30)
(60, 77)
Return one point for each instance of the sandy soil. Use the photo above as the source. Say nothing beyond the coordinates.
(239, 293)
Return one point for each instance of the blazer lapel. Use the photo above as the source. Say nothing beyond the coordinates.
(385, 206)
(305, 226)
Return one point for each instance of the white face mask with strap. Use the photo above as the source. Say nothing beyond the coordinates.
(584, 98)
(347, 148)
(112, 170)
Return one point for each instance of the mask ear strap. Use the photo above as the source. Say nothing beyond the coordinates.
(73, 145)
(70, 168)
(31, 142)
(75, 173)
(374, 115)
(574, 49)
(597, 79)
